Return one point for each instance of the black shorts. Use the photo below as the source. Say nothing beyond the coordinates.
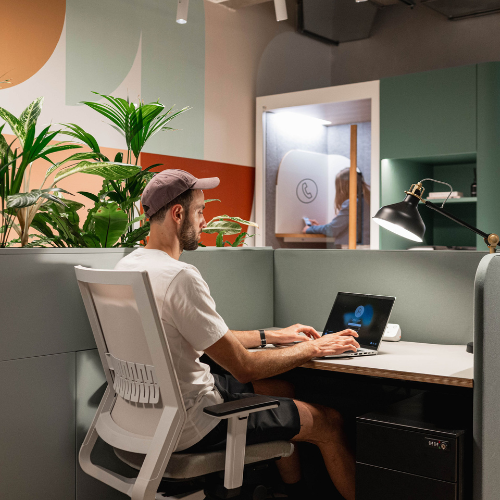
(276, 424)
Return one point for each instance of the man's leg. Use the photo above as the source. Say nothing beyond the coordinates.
(321, 426)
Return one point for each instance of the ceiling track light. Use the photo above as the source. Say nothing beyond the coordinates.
(280, 8)
(182, 11)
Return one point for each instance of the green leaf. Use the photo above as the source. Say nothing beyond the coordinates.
(91, 240)
(219, 242)
(30, 115)
(235, 219)
(44, 242)
(5, 149)
(213, 199)
(73, 157)
(78, 133)
(137, 219)
(63, 147)
(22, 200)
(222, 227)
(136, 235)
(112, 195)
(118, 158)
(238, 239)
(14, 124)
(90, 196)
(40, 224)
(108, 170)
(110, 223)
(71, 206)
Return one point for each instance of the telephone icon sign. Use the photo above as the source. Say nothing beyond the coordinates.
(307, 190)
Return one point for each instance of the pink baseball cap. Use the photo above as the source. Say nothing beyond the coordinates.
(168, 184)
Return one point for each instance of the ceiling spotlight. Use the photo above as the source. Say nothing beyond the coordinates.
(182, 11)
(280, 7)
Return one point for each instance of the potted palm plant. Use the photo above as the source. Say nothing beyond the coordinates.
(19, 203)
(114, 219)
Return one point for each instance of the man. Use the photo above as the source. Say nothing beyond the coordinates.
(174, 203)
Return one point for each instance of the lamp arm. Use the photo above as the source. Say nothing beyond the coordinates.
(490, 239)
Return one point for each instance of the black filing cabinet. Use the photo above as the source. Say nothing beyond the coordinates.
(417, 449)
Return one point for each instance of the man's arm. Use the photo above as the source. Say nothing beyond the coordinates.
(288, 335)
(247, 366)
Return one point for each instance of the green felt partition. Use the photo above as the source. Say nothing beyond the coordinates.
(433, 290)
(241, 283)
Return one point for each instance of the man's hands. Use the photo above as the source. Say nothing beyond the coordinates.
(327, 345)
(335, 343)
(291, 334)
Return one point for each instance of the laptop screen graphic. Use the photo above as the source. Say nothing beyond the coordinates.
(367, 315)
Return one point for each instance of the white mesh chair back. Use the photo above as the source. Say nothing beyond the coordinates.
(142, 410)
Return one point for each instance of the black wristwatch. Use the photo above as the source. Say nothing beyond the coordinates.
(263, 341)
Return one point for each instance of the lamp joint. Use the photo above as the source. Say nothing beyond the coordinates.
(416, 190)
(492, 241)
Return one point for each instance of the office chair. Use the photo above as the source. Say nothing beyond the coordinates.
(142, 412)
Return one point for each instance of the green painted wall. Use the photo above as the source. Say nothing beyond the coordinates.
(102, 38)
(488, 148)
(102, 41)
(428, 128)
(428, 114)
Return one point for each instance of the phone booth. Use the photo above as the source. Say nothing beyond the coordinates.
(305, 187)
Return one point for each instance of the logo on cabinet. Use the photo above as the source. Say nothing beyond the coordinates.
(307, 190)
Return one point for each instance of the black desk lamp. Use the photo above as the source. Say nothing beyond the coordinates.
(404, 219)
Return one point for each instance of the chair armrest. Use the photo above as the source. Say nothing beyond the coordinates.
(241, 406)
(237, 414)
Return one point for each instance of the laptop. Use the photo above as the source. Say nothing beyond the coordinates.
(367, 315)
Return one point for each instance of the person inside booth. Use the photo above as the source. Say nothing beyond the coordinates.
(338, 227)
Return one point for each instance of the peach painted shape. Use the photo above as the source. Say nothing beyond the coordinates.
(30, 32)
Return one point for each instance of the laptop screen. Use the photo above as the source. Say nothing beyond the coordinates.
(367, 315)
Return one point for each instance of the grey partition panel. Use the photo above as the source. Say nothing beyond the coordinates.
(240, 281)
(433, 290)
(90, 386)
(37, 428)
(41, 308)
(486, 453)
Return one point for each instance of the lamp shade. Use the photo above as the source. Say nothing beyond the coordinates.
(402, 218)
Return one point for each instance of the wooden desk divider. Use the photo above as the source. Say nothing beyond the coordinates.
(353, 189)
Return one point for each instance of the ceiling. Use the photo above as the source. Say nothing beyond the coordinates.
(339, 113)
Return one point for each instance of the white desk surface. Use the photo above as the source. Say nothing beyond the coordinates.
(431, 363)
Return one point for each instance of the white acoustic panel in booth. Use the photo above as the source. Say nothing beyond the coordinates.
(306, 188)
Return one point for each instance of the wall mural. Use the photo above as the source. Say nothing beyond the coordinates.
(118, 47)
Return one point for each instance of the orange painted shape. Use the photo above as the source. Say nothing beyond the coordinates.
(30, 32)
(236, 189)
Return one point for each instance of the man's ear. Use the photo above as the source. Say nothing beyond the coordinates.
(177, 213)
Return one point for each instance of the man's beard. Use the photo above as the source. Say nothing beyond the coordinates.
(188, 237)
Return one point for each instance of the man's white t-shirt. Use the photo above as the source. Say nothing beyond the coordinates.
(191, 325)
